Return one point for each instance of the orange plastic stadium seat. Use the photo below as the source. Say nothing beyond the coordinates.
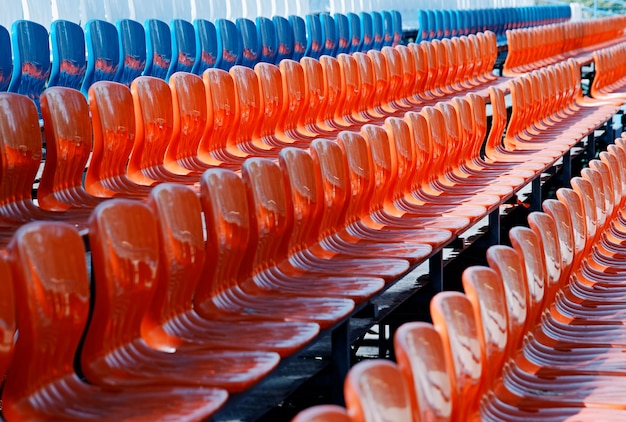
(348, 112)
(113, 119)
(368, 102)
(192, 118)
(124, 240)
(323, 413)
(303, 179)
(299, 99)
(52, 297)
(214, 147)
(172, 317)
(276, 108)
(347, 183)
(382, 104)
(375, 390)
(228, 223)
(21, 152)
(396, 93)
(68, 133)
(420, 356)
(154, 122)
(315, 99)
(334, 97)
(250, 112)
(271, 224)
(8, 317)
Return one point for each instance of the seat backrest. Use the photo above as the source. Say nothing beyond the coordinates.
(423, 33)
(158, 48)
(453, 317)
(51, 289)
(6, 61)
(68, 133)
(270, 218)
(485, 291)
(315, 42)
(271, 100)
(20, 150)
(268, 39)
(508, 265)
(382, 163)
(545, 228)
(403, 156)
(330, 39)
(190, 120)
(181, 255)
(206, 45)
(314, 90)
(333, 94)
(355, 32)
(298, 26)
(421, 359)
(358, 159)
(154, 120)
(565, 234)
(367, 86)
(132, 38)
(250, 42)
(367, 31)
(343, 32)
(67, 41)
(103, 53)
(585, 191)
(8, 317)
(350, 85)
(31, 59)
(124, 241)
(113, 120)
(398, 33)
(227, 222)
(527, 244)
(304, 195)
(184, 49)
(323, 413)
(284, 38)
(295, 94)
(600, 188)
(249, 104)
(220, 91)
(335, 184)
(229, 44)
(378, 33)
(375, 390)
(382, 93)
(388, 29)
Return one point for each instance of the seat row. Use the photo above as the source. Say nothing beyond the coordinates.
(292, 246)
(128, 49)
(445, 23)
(536, 335)
(532, 48)
(609, 79)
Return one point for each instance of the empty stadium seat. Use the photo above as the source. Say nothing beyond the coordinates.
(158, 48)
(251, 49)
(184, 48)
(268, 39)
(6, 62)
(206, 45)
(229, 44)
(132, 39)
(103, 53)
(68, 66)
(284, 38)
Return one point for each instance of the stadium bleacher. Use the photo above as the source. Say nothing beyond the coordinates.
(218, 213)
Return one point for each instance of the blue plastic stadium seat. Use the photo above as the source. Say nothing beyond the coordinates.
(284, 38)
(206, 45)
(377, 30)
(67, 41)
(31, 59)
(454, 23)
(6, 64)
(103, 53)
(329, 34)
(367, 31)
(343, 33)
(229, 45)
(355, 32)
(183, 47)
(438, 23)
(423, 29)
(398, 34)
(132, 38)
(388, 29)
(266, 33)
(298, 27)
(314, 44)
(158, 48)
(446, 27)
(250, 43)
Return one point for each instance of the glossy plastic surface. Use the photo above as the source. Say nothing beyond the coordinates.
(53, 292)
(6, 63)
(31, 59)
(323, 413)
(206, 45)
(250, 42)
(68, 132)
(184, 48)
(103, 53)
(67, 41)
(284, 38)
(268, 39)
(132, 38)
(158, 48)
(314, 37)
(229, 44)
(330, 40)
(298, 26)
